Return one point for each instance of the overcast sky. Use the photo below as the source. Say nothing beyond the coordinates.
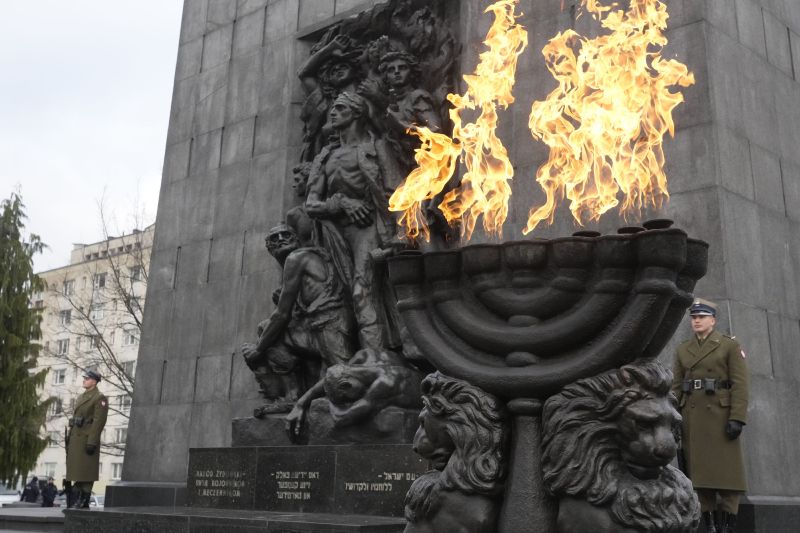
(85, 95)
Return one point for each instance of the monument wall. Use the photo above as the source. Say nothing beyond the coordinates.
(235, 135)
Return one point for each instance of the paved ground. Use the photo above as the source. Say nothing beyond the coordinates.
(31, 519)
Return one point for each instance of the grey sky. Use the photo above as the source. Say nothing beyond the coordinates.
(85, 96)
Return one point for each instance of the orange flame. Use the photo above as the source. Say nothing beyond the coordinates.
(606, 121)
(484, 188)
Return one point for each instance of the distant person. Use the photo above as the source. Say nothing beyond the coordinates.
(711, 383)
(49, 493)
(31, 492)
(83, 440)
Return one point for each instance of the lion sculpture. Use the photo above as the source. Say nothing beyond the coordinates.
(606, 450)
(463, 433)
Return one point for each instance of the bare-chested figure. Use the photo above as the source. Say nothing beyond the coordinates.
(310, 329)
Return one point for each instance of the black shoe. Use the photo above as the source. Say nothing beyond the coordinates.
(729, 523)
(708, 520)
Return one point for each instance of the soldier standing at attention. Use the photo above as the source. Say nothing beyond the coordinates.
(711, 383)
(83, 439)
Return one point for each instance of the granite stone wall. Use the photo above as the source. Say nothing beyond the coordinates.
(235, 134)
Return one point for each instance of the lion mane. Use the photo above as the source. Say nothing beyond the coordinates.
(476, 424)
(581, 455)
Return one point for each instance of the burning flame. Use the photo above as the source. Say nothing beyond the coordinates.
(606, 121)
(484, 188)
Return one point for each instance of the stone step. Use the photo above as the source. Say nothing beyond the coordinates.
(199, 520)
(32, 519)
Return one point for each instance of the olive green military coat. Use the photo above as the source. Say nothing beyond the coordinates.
(712, 460)
(93, 407)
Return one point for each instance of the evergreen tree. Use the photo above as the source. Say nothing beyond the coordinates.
(23, 413)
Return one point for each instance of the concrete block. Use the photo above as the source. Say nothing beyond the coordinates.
(759, 112)
(232, 191)
(157, 312)
(764, 418)
(790, 173)
(263, 207)
(787, 100)
(219, 320)
(783, 285)
(212, 87)
(725, 75)
(691, 159)
(244, 7)
(735, 168)
(179, 380)
(722, 15)
(794, 46)
(187, 316)
(255, 258)
(192, 269)
(176, 161)
(217, 47)
(162, 455)
(683, 12)
(216, 432)
(534, 10)
(792, 13)
(314, 11)
(751, 25)
(688, 44)
(767, 178)
(226, 261)
(190, 55)
(281, 20)
(743, 252)
(205, 152)
(243, 87)
(749, 326)
(698, 213)
(184, 98)
(248, 32)
(220, 13)
(162, 268)
(148, 380)
(197, 207)
(237, 142)
(344, 6)
(784, 334)
(778, 46)
(213, 377)
(273, 91)
(193, 23)
(270, 130)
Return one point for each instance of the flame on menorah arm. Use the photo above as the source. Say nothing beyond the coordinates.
(606, 120)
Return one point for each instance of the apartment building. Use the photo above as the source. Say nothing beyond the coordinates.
(92, 317)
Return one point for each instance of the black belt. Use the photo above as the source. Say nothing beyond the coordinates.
(709, 385)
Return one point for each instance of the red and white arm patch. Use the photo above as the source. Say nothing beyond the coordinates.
(742, 352)
(104, 402)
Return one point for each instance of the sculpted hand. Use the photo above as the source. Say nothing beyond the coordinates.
(733, 429)
(91, 448)
(294, 421)
(357, 212)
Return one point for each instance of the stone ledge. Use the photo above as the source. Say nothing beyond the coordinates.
(193, 520)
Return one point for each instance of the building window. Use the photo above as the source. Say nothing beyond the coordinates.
(120, 435)
(55, 407)
(128, 368)
(53, 439)
(124, 403)
(129, 338)
(62, 347)
(97, 341)
(99, 280)
(97, 312)
(100, 468)
(116, 471)
(136, 273)
(49, 469)
(59, 376)
(69, 287)
(39, 304)
(77, 343)
(65, 317)
(111, 337)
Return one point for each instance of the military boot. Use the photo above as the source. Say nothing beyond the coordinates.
(708, 520)
(75, 498)
(729, 523)
(86, 497)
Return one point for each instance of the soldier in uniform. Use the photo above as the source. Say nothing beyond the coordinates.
(83, 439)
(711, 383)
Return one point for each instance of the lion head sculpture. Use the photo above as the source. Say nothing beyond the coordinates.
(463, 433)
(608, 441)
